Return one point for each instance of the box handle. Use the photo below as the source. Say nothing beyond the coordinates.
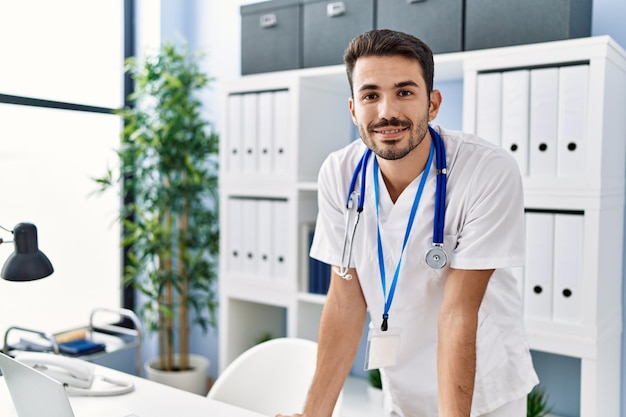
(268, 20)
(335, 9)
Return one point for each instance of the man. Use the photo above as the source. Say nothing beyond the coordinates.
(450, 342)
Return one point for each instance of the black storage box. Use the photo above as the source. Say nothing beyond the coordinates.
(439, 23)
(328, 27)
(271, 36)
(494, 23)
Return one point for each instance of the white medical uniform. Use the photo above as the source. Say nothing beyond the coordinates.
(484, 229)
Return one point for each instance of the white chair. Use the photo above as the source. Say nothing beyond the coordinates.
(270, 378)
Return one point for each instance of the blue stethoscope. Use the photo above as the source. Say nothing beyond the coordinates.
(436, 256)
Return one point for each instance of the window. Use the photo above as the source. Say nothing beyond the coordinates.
(62, 74)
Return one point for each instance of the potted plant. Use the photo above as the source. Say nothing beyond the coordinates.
(168, 159)
(375, 386)
(537, 403)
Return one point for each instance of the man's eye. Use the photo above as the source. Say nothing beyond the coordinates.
(404, 93)
(371, 96)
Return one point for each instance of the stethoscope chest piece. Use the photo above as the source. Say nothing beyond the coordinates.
(436, 257)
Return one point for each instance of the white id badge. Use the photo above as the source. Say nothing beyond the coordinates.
(382, 348)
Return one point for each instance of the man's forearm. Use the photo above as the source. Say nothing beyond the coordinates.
(341, 327)
(456, 363)
(456, 353)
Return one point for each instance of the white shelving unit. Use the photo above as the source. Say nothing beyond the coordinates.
(591, 329)
(280, 126)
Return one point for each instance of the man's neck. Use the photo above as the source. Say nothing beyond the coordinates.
(399, 173)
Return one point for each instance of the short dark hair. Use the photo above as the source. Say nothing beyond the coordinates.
(385, 42)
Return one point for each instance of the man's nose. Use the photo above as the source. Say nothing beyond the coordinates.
(387, 108)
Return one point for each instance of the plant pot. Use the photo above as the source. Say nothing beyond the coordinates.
(192, 380)
(375, 396)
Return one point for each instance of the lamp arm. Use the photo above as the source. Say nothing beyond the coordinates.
(6, 230)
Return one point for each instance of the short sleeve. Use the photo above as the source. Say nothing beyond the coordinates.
(491, 233)
(329, 228)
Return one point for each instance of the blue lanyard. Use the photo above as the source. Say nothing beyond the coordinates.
(381, 261)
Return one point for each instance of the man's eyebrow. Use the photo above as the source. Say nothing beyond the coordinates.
(401, 84)
(406, 84)
(368, 87)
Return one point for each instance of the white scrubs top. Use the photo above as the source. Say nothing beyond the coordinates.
(484, 229)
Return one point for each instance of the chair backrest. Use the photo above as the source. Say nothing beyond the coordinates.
(270, 378)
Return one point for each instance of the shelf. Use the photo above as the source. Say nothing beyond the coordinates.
(319, 123)
(312, 298)
(307, 186)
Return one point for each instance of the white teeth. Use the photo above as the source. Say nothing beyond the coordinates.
(391, 131)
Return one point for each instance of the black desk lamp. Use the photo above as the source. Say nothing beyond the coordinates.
(27, 263)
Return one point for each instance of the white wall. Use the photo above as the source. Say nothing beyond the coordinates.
(49, 157)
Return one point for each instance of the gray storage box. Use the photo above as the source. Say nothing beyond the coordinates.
(271, 36)
(493, 23)
(328, 27)
(439, 23)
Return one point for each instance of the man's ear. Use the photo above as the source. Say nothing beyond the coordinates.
(435, 104)
(351, 106)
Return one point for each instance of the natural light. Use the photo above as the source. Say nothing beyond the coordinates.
(68, 51)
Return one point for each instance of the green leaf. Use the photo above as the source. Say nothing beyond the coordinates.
(169, 163)
(537, 403)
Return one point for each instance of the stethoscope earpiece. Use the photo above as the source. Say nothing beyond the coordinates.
(342, 271)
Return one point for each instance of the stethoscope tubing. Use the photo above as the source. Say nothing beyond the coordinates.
(439, 255)
(440, 193)
(440, 190)
(361, 169)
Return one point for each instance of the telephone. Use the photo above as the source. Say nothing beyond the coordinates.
(77, 375)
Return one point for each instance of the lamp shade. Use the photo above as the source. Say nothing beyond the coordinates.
(27, 263)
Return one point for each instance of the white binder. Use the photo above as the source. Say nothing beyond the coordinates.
(489, 106)
(515, 107)
(538, 285)
(249, 222)
(282, 119)
(264, 240)
(544, 98)
(235, 131)
(280, 239)
(573, 98)
(568, 256)
(235, 235)
(266, 132)
(250, 133)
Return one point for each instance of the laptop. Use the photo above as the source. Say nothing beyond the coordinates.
(35, 394)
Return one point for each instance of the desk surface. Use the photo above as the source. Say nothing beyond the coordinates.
(149, 399)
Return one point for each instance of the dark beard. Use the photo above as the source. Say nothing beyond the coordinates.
(393, 153)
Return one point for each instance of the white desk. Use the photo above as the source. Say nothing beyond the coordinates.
(149, 399)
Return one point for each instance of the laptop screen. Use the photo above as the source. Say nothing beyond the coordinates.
(34, 394)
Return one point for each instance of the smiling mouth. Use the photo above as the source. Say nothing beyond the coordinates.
(390, 127)
(389, 131)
